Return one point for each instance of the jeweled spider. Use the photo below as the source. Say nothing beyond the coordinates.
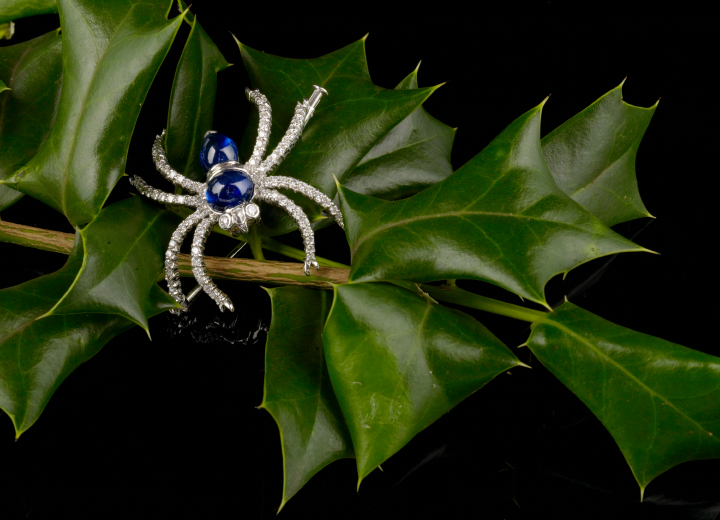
(227, 196)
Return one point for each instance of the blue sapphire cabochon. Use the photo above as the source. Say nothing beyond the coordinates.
(217, 148)
(229, 189)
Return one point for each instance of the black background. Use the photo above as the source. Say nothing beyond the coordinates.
(169, 429)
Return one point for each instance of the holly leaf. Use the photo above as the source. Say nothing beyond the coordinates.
(124, 253)
(592, 157)
(412, 156)
(16, 9)
(398, 362)
(192, 101)
(111, 53)
(38, 351)
(500, 218)
(658, 400)
(33, 70)
(3, 86)
(349, 122)
(298, 393)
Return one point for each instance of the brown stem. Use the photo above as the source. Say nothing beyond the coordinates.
(275, 273)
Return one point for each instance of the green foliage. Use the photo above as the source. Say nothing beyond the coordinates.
(16, 9)
(354, 118)
(412, 156)
(360, 371)
(39, 350)
(659, 400)
(54, 323)
(33, 71)
(122, 263)
(108, 67)
(592, 157)
(500, 218)
(192, 101)
(298, 393)
(399, 362)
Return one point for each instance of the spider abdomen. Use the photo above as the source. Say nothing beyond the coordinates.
(229, 189)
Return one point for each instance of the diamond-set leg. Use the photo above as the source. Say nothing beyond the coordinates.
(293, 133)
(263, 135)
(197, 258)
(192, 201)
(281, 201)
(161, 163)
(281, 182)
(172, 277)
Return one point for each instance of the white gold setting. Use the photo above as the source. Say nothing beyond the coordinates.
(237, 219)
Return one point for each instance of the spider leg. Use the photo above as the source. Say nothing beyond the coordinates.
(161, 163)
(171, 257)
(263, 135)
(278, 181)
(198, 262)
(167, 198)
(278, 199)
(294, 131)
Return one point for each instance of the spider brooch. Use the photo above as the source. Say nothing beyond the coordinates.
(227, 198)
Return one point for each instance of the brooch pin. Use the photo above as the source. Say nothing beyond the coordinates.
(228, 197)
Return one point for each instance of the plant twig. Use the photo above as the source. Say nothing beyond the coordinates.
(274, 273)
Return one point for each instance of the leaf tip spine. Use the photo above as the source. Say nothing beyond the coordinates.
(365, 37)
(521, 364)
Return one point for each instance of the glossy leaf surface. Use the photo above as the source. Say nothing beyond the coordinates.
(192, 101)
(298, 392)
(347, 124)
(500, 218)
(592, 157)
(399, 362)
(111, 53)
(659, 400)
(37, 352)
(16, 9)
(124, 254)
(33, 70)
(412, 156)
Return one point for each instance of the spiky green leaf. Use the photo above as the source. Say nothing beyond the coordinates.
(347, 124)
(33, 70)
(192, 101)
(37, 351)
(592, 157)
(298, 392)
(111, 53)
(500, 218)
(124, 253)
(412, 156)
(659, 400)
(399, 362)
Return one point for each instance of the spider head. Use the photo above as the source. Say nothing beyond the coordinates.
(237, 220)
